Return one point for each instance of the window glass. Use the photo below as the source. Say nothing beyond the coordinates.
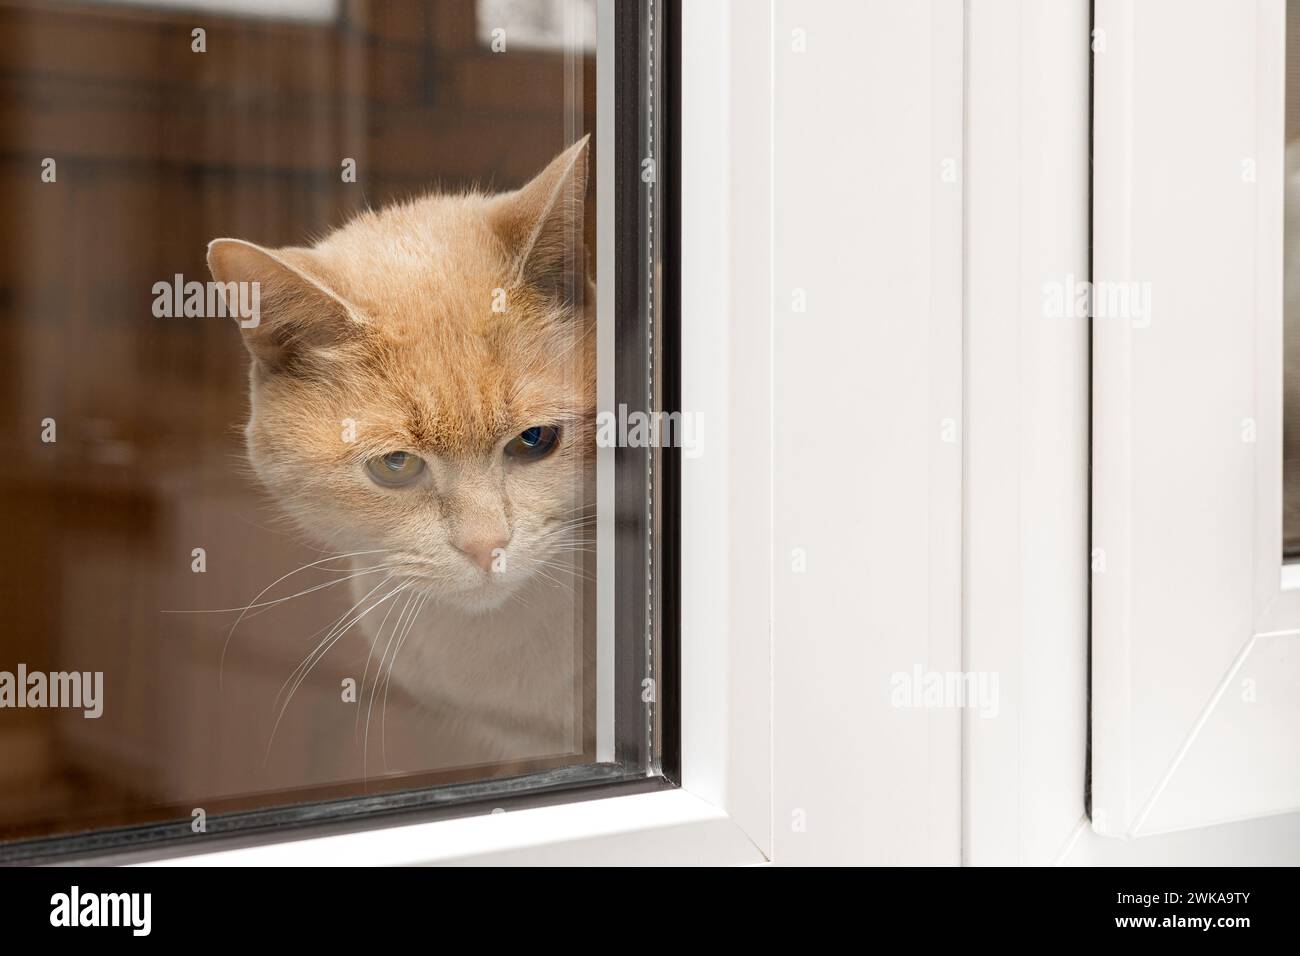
(303, 363)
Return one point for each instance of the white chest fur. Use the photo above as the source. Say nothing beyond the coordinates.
(505, 684)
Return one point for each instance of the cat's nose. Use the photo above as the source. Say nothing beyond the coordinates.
(482, 551)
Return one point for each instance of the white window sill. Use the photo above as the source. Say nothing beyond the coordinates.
(671, 827)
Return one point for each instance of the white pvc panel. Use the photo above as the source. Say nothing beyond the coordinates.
(1196, 645)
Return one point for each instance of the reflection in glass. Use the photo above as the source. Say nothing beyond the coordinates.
(406, 522)
(1291, 330)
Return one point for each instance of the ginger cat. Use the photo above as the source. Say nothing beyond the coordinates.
(422, 397)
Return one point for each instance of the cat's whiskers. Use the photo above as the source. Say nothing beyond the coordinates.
(388, 683)
(264, 606)
(403, 626)
(535, 564)
(581, 513)
(309, 663)
(568, 527)
(330, 632)
(411, 600)
(356, 723)
(221, 669)
(565, 539)
(537, 570)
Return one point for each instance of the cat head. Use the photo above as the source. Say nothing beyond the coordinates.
(423, 384)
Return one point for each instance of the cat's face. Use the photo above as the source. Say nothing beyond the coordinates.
(423, 385)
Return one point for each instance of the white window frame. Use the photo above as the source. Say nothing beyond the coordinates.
(1025, 568)
(1196, 719)
(1027, 532)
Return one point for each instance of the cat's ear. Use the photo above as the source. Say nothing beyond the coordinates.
(295, 316)
(542, 225)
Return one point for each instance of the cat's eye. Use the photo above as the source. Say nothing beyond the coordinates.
(395, 469)
(533, 443)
